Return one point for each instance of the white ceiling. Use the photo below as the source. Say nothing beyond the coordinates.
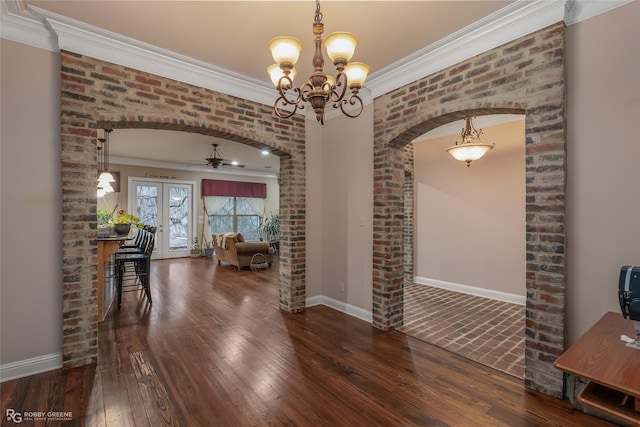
(187, 151)
(396, 38)
(234, 34)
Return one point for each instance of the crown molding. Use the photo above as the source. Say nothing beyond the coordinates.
(580, 10)
(128, 161)
(88, 40)
(20, 26)
(518, 19)
(46, 30)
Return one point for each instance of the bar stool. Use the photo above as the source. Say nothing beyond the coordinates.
(139, 264)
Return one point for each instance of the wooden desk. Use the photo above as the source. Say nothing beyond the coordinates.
(106, 283)
(612, 368)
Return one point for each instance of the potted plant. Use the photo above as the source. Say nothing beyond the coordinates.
(196, 250)
(208, 250)
(270, 228)
(105, 228)
(123, 222)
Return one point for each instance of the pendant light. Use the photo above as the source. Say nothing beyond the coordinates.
(470, 148)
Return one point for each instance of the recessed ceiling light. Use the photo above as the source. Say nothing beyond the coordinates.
(265, 152)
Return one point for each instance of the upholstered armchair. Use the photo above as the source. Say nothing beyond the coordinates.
(231, 248)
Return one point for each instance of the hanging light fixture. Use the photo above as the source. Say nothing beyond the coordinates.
(106, 178)
(319, 88)
(471, 148)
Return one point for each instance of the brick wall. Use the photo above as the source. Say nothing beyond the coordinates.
(523, 76)
(97, 94)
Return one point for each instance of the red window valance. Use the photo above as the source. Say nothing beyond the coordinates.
(215, 187)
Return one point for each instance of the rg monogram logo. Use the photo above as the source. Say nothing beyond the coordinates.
(14, 416)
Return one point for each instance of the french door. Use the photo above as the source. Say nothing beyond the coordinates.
(169, 206)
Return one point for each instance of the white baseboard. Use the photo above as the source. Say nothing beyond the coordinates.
(472, 290)
(35, 365)
(349, 309)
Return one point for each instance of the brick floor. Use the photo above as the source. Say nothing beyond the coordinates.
(487, 331)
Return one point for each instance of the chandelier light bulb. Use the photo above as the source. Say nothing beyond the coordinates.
(340, 46)
(276, 73)
(356, 74)
(285, 50)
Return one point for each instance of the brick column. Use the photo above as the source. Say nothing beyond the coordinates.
(523, 76)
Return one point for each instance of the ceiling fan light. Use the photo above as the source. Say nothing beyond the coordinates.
(340, 46)
(285, 50)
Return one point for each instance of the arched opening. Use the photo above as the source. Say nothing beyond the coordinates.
(525, 76)
(467, 291)
(95, 95)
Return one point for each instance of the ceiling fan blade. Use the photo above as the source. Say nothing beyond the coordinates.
(196, 164)
(232, 165)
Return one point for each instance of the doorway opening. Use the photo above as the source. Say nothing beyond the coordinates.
(171, 208)
(468, 289)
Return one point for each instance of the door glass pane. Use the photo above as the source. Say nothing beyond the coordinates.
(147, 204)
(178, 218)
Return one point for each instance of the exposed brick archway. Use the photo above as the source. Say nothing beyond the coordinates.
(526, 75)
(94, 94)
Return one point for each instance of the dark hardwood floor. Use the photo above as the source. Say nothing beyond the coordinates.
(215, 350)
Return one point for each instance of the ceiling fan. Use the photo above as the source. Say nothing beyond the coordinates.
(215, 160)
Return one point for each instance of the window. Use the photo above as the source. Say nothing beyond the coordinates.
(236, 215)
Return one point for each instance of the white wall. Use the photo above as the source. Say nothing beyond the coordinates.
(470, 221)
(314, 208)
(339, 204)
(603, 188)
(347, 196)
(31, 207)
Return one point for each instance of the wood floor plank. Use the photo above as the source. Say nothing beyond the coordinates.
(155, 400)
(215, 350)
(95, 415)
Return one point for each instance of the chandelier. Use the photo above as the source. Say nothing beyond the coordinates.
(471, 148)
(320, 88)
(106, 178)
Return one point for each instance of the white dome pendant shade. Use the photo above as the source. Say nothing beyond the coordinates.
(471, 148)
